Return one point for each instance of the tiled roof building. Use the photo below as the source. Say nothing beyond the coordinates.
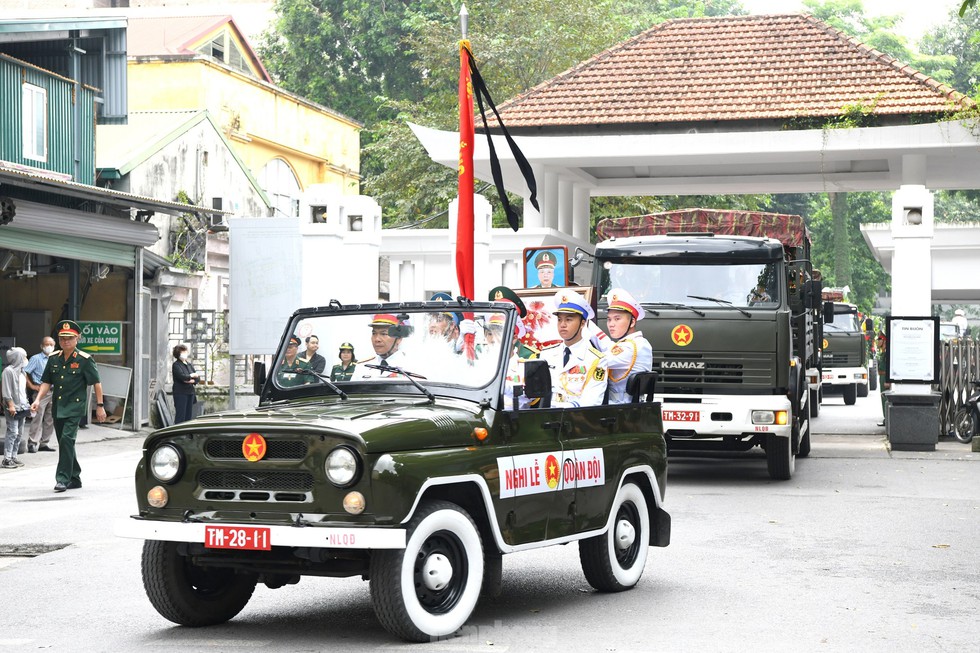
(768, 68)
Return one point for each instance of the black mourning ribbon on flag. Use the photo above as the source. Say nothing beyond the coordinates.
(481, 92)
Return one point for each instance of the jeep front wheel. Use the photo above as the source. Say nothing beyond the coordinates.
(614, 561)
(190, 595)
(429, 589)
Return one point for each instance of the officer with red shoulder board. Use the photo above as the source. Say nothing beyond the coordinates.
(67, 375)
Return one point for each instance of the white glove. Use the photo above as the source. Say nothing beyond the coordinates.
(467, 327)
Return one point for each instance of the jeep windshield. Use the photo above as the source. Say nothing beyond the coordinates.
(726, 286)
(387, 345)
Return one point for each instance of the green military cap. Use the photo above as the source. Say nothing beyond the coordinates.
(69, 328)
(505, 294)
(293, 341)
(544, 259)
(346, 345)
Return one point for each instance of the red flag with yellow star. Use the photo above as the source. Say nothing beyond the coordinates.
(464, 221)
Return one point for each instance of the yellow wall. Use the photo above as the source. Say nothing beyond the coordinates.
(261, 121)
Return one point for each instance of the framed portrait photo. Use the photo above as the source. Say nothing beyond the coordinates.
(545, 267)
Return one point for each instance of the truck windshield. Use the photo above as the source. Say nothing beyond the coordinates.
(843, 323)
(740, 285)
(426, 344)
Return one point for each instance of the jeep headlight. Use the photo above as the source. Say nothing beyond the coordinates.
(165, 463)
(342, 467)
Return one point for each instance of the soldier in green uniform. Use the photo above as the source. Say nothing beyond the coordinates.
(68, 374)
(345, 370)
(288, 373)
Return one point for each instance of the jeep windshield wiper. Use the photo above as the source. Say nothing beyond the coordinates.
(408, 375)
(724, 302)
(324, 379)
(673, 305)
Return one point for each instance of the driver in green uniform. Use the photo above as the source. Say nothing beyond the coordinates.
(288, 373)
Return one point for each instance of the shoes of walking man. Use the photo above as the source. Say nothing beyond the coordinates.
(60, 487)
(45, 447)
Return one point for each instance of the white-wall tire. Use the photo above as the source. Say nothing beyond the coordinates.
(614, 561)
(429, 589)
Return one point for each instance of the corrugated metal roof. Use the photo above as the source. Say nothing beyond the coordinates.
(28, 178)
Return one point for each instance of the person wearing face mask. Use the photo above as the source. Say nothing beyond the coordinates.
(42, 426)
(185, 378)
(15, 404)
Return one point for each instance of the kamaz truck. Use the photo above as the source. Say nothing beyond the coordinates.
(731, 309)
(845, 349)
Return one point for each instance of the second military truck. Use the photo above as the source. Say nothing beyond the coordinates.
(731, 311)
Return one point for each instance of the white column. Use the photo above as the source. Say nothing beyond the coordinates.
(394, 279)
(912, 231)
(482, 222)
(511, 275)
(565, 206)
(406, 282)
(532, 218)
(550, 198)
(581, 213)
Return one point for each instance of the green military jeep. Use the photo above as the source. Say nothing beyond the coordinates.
(416, 474)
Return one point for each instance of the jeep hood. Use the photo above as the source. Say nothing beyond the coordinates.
(390, 424)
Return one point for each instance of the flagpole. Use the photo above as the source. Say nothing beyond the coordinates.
(464, 215)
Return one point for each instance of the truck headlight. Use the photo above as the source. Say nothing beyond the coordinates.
(770, 417)
(342, 467)
(166, 463)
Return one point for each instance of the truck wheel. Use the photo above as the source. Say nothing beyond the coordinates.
(850, 394)
(614, 561)
(862, 389)
(429, 588)
(804, 449)
(814, 402)
(780, 458)
(873, 377)
(964, 425)
(190, 595)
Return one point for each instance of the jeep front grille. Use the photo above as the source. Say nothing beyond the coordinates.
(231, 449)
(257, 480)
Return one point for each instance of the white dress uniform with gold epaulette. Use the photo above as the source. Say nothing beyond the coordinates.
(629, 355)
(582, 380)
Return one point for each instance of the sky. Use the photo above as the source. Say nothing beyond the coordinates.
(919, 15)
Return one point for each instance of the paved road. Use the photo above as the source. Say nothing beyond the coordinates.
(864, 550)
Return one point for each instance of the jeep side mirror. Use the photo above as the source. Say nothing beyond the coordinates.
(828, 312)
(537, 382)
(641, 384)
(258, 377)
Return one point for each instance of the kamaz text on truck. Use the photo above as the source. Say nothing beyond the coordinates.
(731, 306)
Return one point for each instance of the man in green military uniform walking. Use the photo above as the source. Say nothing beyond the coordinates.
(68, 374)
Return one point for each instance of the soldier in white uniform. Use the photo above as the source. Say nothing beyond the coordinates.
(578, 370)
(627, 352)
(387, 331)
